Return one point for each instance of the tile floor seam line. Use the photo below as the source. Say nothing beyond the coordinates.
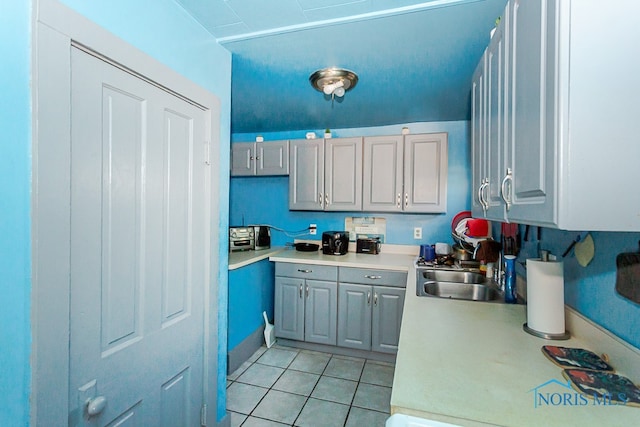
(367, 377)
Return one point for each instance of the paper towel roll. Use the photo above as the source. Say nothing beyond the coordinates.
(545, 296)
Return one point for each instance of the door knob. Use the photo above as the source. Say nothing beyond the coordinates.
(96, 405)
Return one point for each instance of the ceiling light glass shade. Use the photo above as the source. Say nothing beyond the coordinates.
(333, 81)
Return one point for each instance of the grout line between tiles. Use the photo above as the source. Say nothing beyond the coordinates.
(309, 396)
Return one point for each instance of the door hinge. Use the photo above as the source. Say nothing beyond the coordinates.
(207, 153)
(203, 416)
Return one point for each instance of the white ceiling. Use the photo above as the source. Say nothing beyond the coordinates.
(414, 58)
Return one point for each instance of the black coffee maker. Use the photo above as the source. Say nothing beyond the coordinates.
(335, 242)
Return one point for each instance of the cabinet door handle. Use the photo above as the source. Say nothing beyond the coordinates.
(503, 188)
(326, 199)
(301, 291)
(368, 298)
(369, 276)
(320, 199)
(406, 199)
(307, 291)
(482, 193)
(305, 271)
(481, 196)
(375, 299)
(398, 200)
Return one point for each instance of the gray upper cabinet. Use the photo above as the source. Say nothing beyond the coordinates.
(528, 189)
(260, 158)
(383, 173)
(405, 173)
(569, 118)
(306, 177)
(489, 128)
(326, 174)
(343, 174)
(479, 174)
(425, 173)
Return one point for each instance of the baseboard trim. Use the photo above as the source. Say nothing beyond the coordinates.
(225, 421)
(243, 351)
(341, 351)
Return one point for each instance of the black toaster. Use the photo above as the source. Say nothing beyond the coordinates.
(368, 245)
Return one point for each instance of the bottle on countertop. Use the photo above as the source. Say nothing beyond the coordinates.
(510, 295)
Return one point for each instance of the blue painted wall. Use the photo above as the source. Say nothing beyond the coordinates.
(15, 182)
(591, 289)
(251, 291)
(266, 200)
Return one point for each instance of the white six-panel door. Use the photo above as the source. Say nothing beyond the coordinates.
(138, 245)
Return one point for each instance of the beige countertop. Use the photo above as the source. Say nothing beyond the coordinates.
(382, 261)
(471, 364)
(240, 259)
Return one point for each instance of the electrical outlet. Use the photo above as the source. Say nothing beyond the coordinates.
(312, 229)
(417, 233)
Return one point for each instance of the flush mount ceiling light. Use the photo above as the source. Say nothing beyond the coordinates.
(333, 81)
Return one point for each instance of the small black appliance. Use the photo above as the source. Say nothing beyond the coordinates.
(368, 245)
(263, 236)
(335, 242)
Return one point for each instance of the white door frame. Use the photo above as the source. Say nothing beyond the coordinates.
(55, 27)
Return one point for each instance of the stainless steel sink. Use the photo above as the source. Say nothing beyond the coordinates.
(456, 276)
(466, 291)
(456, 284)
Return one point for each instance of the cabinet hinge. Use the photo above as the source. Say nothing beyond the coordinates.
(203, 416)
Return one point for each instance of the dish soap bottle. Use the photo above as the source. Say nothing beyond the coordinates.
(510, 295)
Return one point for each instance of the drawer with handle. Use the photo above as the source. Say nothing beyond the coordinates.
(307, 271)
(372, 277)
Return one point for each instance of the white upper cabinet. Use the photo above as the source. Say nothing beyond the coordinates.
(260, 158)
(570, 117)
(405, 173)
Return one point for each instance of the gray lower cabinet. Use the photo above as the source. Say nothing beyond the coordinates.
(369, 316)
(348, 307)
(305, 307)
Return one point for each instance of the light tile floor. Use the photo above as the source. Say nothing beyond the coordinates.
(283, 386)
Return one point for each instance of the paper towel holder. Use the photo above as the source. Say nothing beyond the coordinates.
(545, 335)
(544, 257)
